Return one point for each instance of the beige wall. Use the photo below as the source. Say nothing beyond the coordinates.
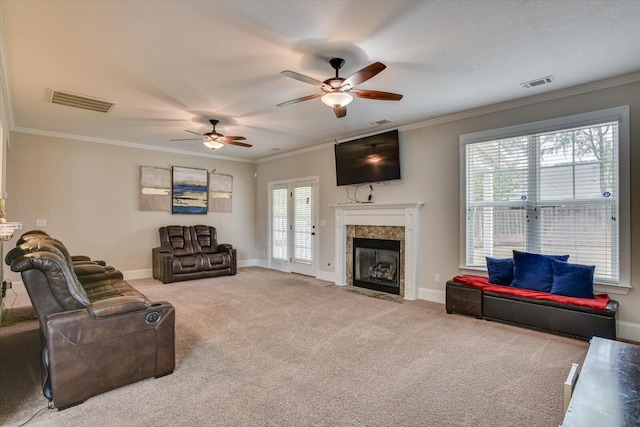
(430, 173)
(88, 193)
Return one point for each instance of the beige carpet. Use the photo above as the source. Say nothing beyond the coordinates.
(265, 348)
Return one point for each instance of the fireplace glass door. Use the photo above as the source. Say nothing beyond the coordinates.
(376, 264)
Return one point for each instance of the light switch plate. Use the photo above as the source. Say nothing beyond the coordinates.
(41, 222)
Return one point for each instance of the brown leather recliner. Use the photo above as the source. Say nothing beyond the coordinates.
(191, 253)
(98, 280)
(91, 345)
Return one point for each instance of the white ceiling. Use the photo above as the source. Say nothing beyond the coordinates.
(172, 65)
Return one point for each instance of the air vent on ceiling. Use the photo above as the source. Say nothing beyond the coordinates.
(381, 122)
(538, 82)
(79, 101)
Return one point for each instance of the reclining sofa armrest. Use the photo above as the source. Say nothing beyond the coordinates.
(119, 305)
(86, 259)
(163, 250)
(89, 355)
(227, 247)
(91, 275)
(162, 261)
(224, 247)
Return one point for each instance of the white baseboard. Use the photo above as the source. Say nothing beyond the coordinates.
(248, 263)
(629, 331)
(329, 276)
(431, 295)
(262, 263)
(137, 274)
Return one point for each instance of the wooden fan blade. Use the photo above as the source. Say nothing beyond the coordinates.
(363, 75)
(239, 144)
(304, 98)
(376, 94)
(188, 139)
(340, 111)
(305, 79)
(190, 131)
(235, 138)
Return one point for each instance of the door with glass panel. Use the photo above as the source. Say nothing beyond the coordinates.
(293, 230)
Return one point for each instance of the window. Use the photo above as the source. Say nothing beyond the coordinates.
(279, 223)
(553, 187)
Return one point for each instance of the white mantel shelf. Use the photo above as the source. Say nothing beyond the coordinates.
(399, 214)
(380, 205)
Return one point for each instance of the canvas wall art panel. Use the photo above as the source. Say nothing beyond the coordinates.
(155, 189)
(190, 191)
(220, 192)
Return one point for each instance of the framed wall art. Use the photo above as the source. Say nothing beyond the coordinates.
(155, 189)
(189, 190)
(220, 192)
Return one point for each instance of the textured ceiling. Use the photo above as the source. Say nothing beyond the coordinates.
(170, 66)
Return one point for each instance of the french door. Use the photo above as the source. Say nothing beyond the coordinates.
(293, 226)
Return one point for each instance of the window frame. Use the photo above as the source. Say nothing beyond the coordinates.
(619, 114)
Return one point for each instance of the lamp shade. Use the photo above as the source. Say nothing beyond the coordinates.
(336, 98)
(214, 145)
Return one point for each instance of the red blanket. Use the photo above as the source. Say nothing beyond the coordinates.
(598, 303)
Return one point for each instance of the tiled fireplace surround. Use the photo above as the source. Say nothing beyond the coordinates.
(393, 221)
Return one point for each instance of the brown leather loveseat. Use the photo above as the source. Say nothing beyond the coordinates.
(192, 252)
(95, 339)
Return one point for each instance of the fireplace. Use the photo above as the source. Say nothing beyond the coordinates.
(391, 221)
(376, 264)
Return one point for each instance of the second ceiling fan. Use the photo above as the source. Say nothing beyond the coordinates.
(337, 91)
(214, 139)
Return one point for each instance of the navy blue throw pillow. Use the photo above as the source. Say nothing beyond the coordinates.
(534, 271)
(500, 270)
(572, 280)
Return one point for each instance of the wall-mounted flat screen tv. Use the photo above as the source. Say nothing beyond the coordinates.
(371, 159)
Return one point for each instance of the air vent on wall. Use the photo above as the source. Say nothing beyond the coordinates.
(79, 101)
(538, 82)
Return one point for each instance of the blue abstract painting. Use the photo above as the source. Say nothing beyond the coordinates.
(190, 191)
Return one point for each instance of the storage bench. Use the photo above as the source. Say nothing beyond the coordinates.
(562, 318)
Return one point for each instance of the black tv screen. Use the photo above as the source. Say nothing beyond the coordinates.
(371, 159)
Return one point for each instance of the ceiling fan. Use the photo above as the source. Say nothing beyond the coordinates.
(215, 140)
(337, 91)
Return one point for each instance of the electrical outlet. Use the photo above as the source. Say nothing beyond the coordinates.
(41, 222)
(436, 278)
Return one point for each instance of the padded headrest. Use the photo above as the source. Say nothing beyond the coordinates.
(43, 256)
(206, 237)
(31, 234)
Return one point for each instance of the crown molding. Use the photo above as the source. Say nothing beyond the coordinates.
(530, 100)
(494, 108)
(124, 144)
(296, 152)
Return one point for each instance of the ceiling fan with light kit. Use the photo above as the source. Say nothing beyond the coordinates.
(338, 92)
(215, 140)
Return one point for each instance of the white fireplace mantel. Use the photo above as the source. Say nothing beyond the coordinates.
(399, 214)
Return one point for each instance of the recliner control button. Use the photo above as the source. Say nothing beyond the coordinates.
(152, 317)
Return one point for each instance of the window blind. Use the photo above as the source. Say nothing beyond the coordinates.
(279, 224)
(554, 193)
(302, 226)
